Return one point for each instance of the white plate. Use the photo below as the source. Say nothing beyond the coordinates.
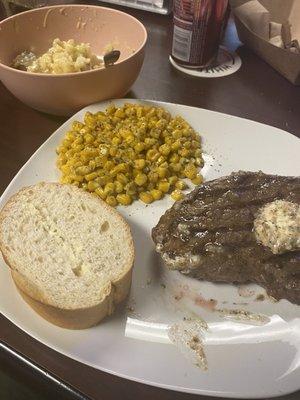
(244, 360)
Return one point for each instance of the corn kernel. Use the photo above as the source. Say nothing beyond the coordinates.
(172, 180)
(60, 149)
(163, 186)
(88, 138)
(111, 201)
(184, 152)
(76, 164)
(139, 163)
(177, 134)
(103, 150)
(190, 171)
(91, 176)
(153, 177)
(161, 160)
(139, 112)
(111, 109)
(77, 178)
(76, 125)
(176, 145)
(165, 149)
(65, 169)
(100, 192)
(162, 172)
(71, 136)
(198, 162)
(156, 194)
(84, 170)
(146, 197)
(113, 151)
(116, 141)
(152, 155)
(174, 158)
(176, 195)
(140, 179)
(122, 179)
(187, 144)
(118, 168)
(100, 161)
(195, 144)
(92, 186)
(103, 180)
(131, 188)
(164, 165)
(129, 139)
(124, 199)
(78, 147)
(180, 185)
(139, 147)
(119, 113)
(109, 165)
(66, 179)
(197, 180)
(92, 165)
(135, 172)
(176, 167)
(109, 188)
(186, 132)
(124, 133)
(119, 187)
(69, 153)
(198, 153)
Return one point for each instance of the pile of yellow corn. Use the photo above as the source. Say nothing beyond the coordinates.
(132, 152)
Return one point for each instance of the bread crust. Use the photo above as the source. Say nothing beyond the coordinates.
(77, 318)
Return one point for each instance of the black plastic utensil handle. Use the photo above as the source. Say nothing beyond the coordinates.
(111, 57)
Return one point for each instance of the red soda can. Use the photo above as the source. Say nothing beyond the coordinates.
(198, 29)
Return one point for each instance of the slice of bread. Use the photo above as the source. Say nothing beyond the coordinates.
(70, 254)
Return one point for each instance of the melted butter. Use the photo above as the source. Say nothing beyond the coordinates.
(277, 226)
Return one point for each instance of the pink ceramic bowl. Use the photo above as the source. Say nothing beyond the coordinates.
(66, 93)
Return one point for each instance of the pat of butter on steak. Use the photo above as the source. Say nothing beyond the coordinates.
(210, 234)
(277, 226)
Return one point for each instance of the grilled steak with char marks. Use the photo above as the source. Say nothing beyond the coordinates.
(209, 234)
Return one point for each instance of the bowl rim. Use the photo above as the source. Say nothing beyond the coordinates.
(60, 6)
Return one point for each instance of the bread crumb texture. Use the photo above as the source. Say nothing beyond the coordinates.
(67, 244)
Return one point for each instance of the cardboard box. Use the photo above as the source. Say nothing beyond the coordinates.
(285, 12)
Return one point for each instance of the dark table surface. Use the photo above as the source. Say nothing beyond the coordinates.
(255, 92)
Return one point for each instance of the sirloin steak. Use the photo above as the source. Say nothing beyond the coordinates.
(209, 234)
